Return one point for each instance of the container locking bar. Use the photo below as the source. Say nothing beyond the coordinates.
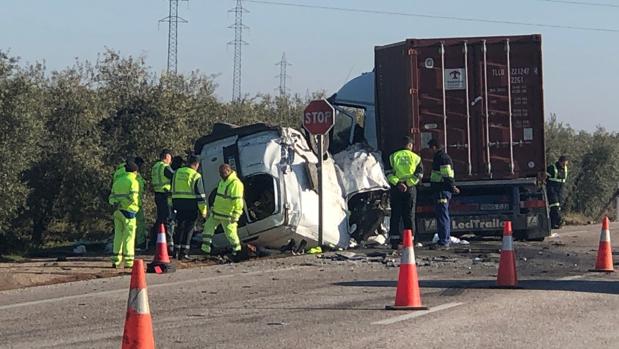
(487, 112)
(444, 96)
(468, 110)
(509, 105)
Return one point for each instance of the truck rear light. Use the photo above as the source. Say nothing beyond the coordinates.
(424, 209)
(533, 204)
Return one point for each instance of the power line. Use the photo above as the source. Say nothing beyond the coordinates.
(582, 3)
(428, 16)
(238, 43)
(173, 20)
(283, 64)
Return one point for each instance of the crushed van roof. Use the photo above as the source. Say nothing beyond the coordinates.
(225, 130)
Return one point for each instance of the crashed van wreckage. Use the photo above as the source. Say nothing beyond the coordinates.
(279, 169)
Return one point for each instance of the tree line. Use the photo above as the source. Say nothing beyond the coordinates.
(63, 133)
(593, 175)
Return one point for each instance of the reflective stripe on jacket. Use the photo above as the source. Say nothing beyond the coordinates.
(557, 173)
(125, 193)
(161, 183)
(443, 175)
(406, 168)
(228, 203)
(184, 184)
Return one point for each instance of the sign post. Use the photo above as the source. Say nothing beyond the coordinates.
(318, 119)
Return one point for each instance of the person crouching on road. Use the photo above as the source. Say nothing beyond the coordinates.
(443, 186)
(125, 199)
(188, 201)
(406, 172)
(226, 210)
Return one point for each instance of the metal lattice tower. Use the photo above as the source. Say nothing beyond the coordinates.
(283, 64)
(238, 43)
(173, 20)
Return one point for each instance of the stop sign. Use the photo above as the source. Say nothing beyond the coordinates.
(318, 117)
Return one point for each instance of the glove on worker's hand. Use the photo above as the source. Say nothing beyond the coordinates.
(402, 187)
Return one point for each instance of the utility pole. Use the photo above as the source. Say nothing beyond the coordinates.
(173, 20)
(238, 43)
(283, 64)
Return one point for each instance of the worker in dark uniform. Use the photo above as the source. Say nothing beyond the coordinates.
(557, 175)
(406, 172)
(443, 187)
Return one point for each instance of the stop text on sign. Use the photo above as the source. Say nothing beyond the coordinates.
(318, 117)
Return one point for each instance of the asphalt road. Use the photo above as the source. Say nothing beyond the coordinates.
(310, 302)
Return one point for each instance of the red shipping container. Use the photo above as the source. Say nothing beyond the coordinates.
(482, 98)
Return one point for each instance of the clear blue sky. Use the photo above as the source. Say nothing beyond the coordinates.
(325, 47)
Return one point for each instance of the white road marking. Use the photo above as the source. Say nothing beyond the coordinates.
(416, 314)
(126, 290)
(573, 277)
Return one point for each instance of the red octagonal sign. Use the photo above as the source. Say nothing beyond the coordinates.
(318, 117)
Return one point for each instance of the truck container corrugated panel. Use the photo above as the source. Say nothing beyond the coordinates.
(481, 97)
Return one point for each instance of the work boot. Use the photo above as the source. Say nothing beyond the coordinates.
(439, 247)
(186, 257)
(301, 248)
(290, 247)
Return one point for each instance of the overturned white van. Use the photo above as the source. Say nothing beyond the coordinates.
(276, 166)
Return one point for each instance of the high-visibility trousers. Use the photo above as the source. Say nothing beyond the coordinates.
(230, 230)
(124, 239)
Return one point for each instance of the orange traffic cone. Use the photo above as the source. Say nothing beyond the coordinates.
(138, 332)
(161, 262)
(507, 277)
(604, 261)
(407, 296)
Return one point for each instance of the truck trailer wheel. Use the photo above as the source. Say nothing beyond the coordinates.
(536, 239)
(524, 235)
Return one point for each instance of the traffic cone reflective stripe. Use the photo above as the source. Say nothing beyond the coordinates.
(138, 301)
(604, 261)
(407, 295)
(161, 262)
(138, 333)
(507, 276)
(162, 247)
(161, 237)
(408, 256)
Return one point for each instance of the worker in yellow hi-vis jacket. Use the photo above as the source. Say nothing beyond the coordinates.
(188, 201)
(125, 199)
(226, 210)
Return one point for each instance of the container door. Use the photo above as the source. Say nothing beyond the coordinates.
(394, 97)
(444, 108)
(494, 69)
